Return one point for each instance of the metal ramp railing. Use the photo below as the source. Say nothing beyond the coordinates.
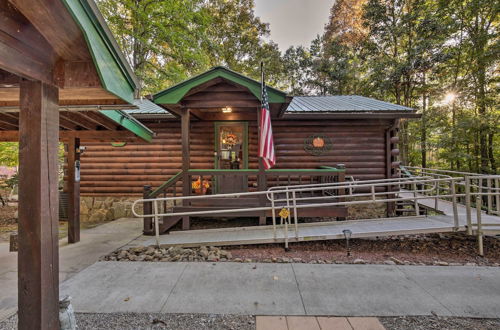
(286, 202)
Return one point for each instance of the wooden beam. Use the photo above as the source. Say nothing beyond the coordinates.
(99, 119)
(15, 60)
(94, 136)
(73, 179)
(68, 42)
(220, 103)
(76, 118)
(8, 79)
(38, 256)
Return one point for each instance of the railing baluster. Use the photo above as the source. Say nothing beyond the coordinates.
(468, 210)
(489, 197)
(479, 202)
(454, 201)
(497, 195)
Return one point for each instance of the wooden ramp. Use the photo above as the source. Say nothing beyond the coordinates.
(309, 231)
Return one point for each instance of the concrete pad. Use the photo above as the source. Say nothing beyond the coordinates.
(365, 323)
(362, 290)
(302, 322)
(236, 288)
(8, 291)
(271, 323)
(108, 287)
(471, 291)
(333, 323)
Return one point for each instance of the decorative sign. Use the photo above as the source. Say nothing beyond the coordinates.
(317, 145)
(284, 213)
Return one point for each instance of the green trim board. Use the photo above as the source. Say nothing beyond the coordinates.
(130, 123)
(174, 94)
(114, 72)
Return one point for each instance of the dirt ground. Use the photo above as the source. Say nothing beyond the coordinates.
(414, 249)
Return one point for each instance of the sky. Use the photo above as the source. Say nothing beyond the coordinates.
(294, 22)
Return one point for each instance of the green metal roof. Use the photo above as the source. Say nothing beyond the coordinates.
(341, 103)
(114, 71)
(174, 94)
(130, 123)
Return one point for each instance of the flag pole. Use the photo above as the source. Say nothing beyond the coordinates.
(261, 181)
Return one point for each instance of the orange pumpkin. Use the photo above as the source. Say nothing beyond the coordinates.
(318, 142)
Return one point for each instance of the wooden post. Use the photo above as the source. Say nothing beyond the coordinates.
(38, 256)
(341, 191)
(73, 190)
(147, 208)
(186, 160)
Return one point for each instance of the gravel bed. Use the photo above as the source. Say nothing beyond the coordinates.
(438, 323)
(136, 321)
(432, 249)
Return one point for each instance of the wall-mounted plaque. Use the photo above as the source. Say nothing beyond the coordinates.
(317, 144)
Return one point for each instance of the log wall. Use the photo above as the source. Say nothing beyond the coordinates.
(109, 170)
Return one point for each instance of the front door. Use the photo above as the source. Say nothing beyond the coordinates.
(231, 153)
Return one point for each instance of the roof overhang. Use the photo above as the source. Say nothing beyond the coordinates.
(174, 94)
(63, 43)
(350, 115)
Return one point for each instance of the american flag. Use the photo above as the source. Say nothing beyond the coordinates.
(266, 143)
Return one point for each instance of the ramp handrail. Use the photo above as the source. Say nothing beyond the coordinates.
(287, 197)
(379, 190)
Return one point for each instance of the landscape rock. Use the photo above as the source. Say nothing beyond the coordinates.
(389, 262)
(397, 261)
(359, 262)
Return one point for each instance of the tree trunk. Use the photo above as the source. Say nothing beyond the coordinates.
(491, 154)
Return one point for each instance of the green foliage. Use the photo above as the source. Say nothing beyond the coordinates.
(9, 153)
(411, 52)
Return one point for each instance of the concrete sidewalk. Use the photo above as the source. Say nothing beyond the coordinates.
(94, 243)
(286, 289)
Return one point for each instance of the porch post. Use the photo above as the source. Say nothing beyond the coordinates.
(73, 190)
(186, 160)
(261, 178)
(38, 256)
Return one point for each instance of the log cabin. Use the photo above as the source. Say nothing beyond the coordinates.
(207, 142)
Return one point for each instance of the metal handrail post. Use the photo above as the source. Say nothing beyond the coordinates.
(295, 215)
(489, 196)
(287, 219)
(479, 202)
(497, 196)
(157, 223)
(417, 208)
(436, 191)
(468, 210)
(274, 215)
(455, 207)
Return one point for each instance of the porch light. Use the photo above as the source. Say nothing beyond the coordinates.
(227, 109)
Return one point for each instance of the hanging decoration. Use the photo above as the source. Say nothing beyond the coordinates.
(317, 144)
(229, 138)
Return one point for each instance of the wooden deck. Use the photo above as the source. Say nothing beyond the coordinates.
(310, 231)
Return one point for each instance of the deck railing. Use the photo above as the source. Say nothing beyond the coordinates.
(205, 182)
(488, 185)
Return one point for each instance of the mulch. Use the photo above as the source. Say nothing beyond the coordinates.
(411, 249)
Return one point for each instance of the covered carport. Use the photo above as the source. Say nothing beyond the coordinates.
(62, 76)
